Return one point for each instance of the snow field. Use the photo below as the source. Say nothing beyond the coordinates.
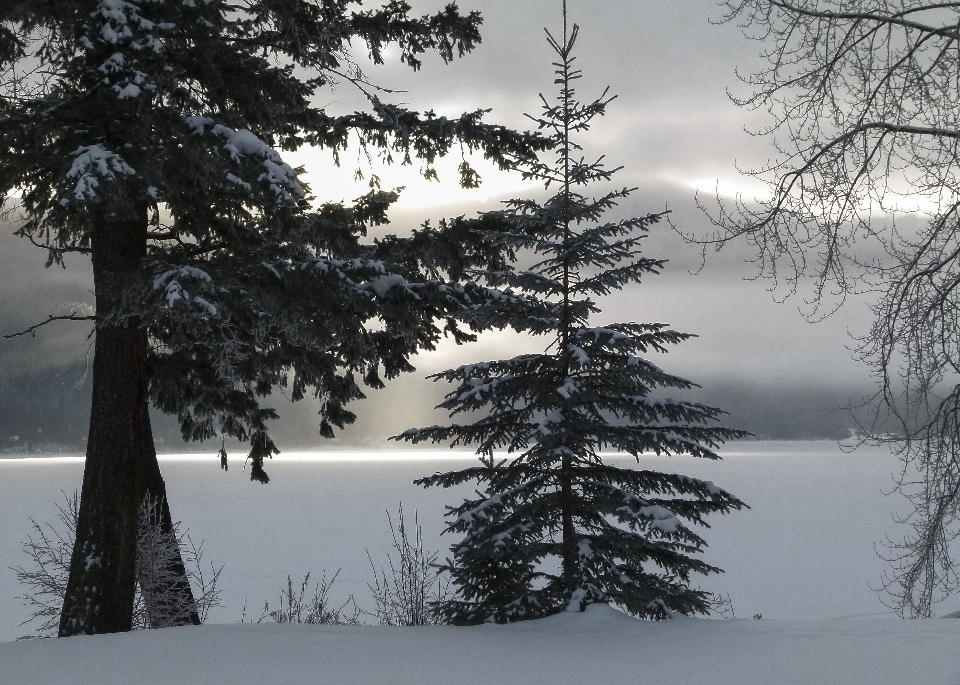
(802, 556)
(600, 646)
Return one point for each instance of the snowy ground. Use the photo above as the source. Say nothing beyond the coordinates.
(803, 557)
(600, 646)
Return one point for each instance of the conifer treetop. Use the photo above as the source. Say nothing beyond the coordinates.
(560, 524)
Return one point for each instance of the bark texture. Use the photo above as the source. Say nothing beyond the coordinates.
(121, 462)
(100, 591)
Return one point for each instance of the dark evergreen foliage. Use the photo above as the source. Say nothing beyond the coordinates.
(559, 526)
(172, 110)
(145, 133)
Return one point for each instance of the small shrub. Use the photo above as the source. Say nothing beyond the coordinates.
(408, 594)
(45, 577)
(722, 606)
(50, 547)
(317, 610)
(157, 550)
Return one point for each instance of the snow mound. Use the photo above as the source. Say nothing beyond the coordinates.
(600, 645)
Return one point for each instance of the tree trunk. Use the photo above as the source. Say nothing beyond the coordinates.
(570, 565)
(121, 463)
(100, 590)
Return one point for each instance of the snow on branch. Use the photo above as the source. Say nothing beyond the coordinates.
(281, 177)
(175, 292)
(89, 163)
(119, 16)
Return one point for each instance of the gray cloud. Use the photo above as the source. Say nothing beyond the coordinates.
(672, 128)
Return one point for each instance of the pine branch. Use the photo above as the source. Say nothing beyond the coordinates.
(81, 250)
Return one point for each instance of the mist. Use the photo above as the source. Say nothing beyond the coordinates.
(678, 137)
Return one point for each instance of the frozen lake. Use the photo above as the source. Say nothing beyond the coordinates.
(805, 550)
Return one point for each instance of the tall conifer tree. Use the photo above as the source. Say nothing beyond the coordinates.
(559, 526)
(145, 133)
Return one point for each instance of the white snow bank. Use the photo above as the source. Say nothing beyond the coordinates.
(599, 646)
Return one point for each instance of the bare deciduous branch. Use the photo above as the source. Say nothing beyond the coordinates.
(50, 319)
(865, 98)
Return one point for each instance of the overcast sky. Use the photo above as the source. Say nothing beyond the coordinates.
(672, 128)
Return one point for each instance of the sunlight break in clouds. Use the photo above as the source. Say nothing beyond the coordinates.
(748, 189)
(330, 183)
(729, 187)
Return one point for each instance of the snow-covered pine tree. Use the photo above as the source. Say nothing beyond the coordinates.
(144, 133)
(559, 526)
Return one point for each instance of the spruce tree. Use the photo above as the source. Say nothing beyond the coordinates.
(145, 134)
(559, 525)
